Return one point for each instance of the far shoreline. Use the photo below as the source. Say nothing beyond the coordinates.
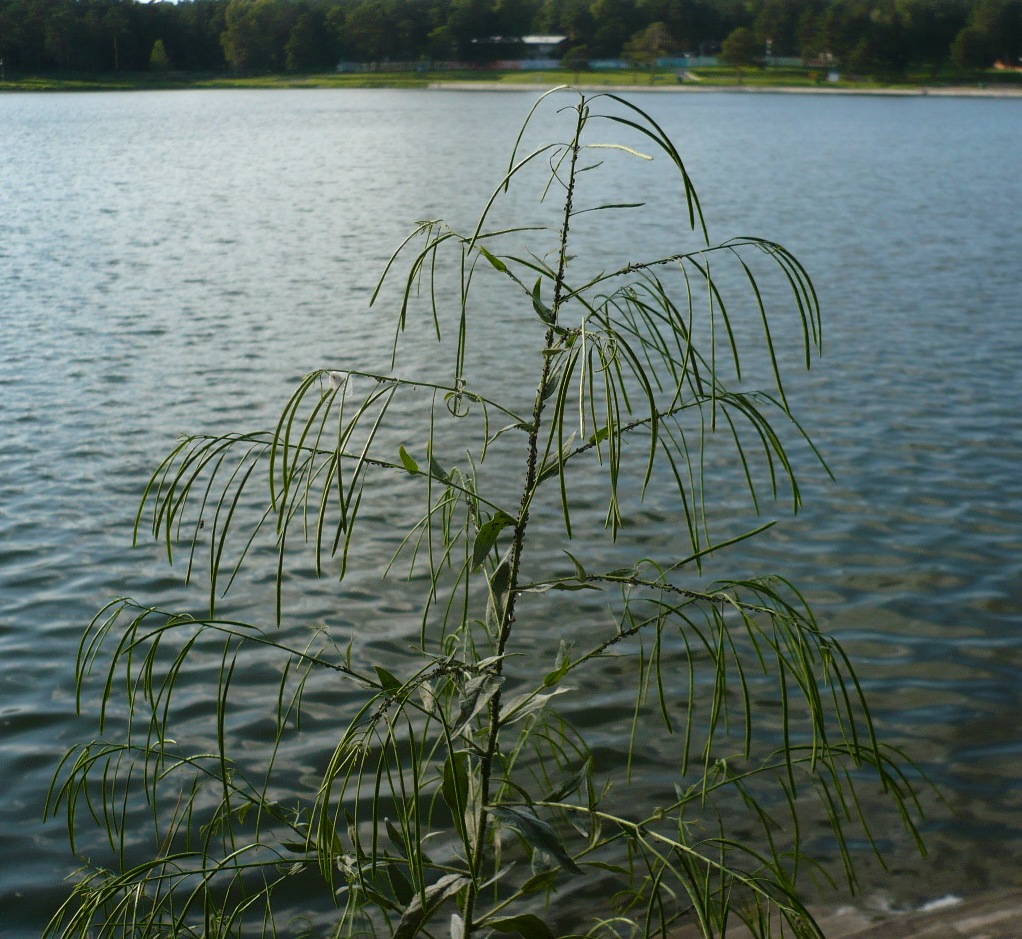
(505, 81)
(957, 91)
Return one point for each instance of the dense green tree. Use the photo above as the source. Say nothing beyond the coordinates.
(885, 40)
(302, 44)
(116, 23)
(159, 61)
(1000, 22)
(880, 37)
(741, 49)
(412, 24)
(576, 58)
(616, 22)
(680, 17)
(440, 44)
(472, 23)
(777, 24)
(255, 34)
(60, 30)
(515, 17)
(646, 46)
(841, 27)
(807, 35)
(366, 31)
(193, 33)
(571, 18)
(929, 28)
(972, 49)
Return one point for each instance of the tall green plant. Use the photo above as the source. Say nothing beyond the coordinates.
(457, 800)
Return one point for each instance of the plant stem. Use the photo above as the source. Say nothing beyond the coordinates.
(518, 541)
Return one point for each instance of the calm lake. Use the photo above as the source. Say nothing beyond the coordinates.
(174, 262)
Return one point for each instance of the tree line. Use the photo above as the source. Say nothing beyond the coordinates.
(250, 36)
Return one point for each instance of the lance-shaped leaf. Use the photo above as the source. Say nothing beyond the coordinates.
(499, 583)
(542, 310)
(425, 904)
(437, 471)
(571, 785)
(497, 263)
(562, 664)
(474, 698)
(487, 535)
(403, 889)
(407, 461)
(536, 832)
(552, 465)
(529, 703)
(455, 788)
(391, 683)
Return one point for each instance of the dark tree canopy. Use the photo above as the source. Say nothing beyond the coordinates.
(878, 36)
(741, 48)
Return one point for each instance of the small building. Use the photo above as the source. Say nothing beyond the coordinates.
(527, 52)
(544, 47)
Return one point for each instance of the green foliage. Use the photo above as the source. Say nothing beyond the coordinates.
(648, 45)
(45, 36)
(159, 61)
(456, 797)
(741, 48)
(576, 58)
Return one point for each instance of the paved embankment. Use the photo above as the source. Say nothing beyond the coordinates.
(993, 917)
(897, 91)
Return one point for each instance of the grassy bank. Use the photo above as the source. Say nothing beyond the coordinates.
(721, 77)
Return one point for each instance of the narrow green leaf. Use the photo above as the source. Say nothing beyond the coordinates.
(542, 310)
(552, 466)
(497, 263)
(613, 868)
(499, 582)
(407, 461)
(527, 925)
(544, 880)
(580, 571)
(396, 838)
(556, 675)
(437, 471)
(487, 536)
(425, 904)
(454, 788)
(403, 889)
(475, 697)
(571, 785)
(564, 648)
(548, 470)
(562, 663)
(530, 702)
(551, 385)
(391, 685)
(536, 832)
(621, 573)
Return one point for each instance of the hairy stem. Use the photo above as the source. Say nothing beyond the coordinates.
(518, 540)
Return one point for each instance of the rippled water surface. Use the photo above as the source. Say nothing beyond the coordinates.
(175, 261)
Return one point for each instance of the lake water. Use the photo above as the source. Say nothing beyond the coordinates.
(174, 262)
